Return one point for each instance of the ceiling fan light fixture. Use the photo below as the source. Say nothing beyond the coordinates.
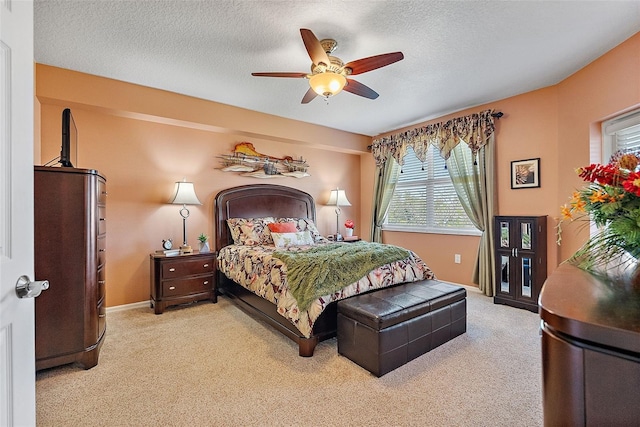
(328, 83)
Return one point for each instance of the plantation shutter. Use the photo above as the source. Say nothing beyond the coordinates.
(424, 197)
(409, 203)
(628, 139)
(623, 133)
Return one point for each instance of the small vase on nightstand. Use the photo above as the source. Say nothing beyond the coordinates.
(204, 243)
(348, 232)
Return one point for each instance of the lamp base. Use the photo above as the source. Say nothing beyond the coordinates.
(186, 249)
(338, 237)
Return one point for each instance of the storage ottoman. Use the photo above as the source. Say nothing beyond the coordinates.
(384, 329)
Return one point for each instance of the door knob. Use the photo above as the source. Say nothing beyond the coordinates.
(25, 288)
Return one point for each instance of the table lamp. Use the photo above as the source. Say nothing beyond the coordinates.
(185, 194)
(338, 198)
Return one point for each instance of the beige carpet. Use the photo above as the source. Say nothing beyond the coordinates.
(213, 365)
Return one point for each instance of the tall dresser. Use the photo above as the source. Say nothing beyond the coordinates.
(70, 245)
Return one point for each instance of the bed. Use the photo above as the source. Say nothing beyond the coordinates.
(275, 201)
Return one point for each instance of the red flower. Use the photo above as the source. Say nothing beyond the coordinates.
(349, 224)
(601, 174)
(632, 183)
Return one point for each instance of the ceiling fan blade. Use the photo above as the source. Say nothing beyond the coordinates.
(358, 88)
(294, 75)
(363, 65)
(314, 48)
(309, 96)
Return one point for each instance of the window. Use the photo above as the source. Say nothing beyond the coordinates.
(424, 199)
(621, 134)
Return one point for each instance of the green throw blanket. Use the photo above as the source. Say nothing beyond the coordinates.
(324, 270)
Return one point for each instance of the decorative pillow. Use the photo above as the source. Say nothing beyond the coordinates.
(303, 224)
(282, 227)
(299, 238)
(250, 231)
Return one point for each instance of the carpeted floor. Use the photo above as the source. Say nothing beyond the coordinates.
(213, 365)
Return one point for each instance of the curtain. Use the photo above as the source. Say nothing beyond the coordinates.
(473, 130)
(384, 185)
(471, 137)
(474, 182)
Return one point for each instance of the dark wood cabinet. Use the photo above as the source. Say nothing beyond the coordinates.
(183, 278)
(70, 252)
(521, 260)
(590, 352)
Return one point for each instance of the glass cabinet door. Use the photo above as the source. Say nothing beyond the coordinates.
(504, 273)
(525, 235)
(526, 276)
(504, 234)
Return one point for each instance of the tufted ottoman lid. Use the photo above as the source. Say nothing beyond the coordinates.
(386, 307)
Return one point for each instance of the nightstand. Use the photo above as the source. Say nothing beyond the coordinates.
(182, 278)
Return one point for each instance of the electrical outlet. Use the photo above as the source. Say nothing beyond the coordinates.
(456, 258)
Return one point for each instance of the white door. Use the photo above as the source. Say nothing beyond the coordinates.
(17, 336)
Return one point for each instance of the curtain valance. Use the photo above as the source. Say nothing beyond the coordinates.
(474, 130)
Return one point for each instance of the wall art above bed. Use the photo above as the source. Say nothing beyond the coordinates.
(248, 162)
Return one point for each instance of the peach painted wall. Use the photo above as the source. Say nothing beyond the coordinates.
(558, 124)
(144, 147)
(144, 140)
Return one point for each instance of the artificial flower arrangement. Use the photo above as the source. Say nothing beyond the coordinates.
(349, 224)
(612, 201)
(203, 237)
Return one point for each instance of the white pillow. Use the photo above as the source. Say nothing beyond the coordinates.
(300, 238)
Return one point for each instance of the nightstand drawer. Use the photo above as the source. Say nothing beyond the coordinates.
(187, 286)
(181, 268)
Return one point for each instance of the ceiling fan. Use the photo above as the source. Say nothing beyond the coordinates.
(329, 75)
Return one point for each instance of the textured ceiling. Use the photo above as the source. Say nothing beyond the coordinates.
(458, 54)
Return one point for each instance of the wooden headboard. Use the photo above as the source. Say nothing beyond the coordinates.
(257, 201)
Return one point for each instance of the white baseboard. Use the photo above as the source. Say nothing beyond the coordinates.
(128, 306)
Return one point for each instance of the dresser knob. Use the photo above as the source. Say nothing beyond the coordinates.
(206, 282)
(171, 288)
(172, 269)
(102, 250)
(102, 282)
(206, 265)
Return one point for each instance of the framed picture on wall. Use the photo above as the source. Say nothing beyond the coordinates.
(525, 173)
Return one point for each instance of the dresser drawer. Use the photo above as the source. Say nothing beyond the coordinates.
(102, 192)
(102, 285)
(102, 250)
(102, 319)
(102, 220)
(187, 286)
(182, 268)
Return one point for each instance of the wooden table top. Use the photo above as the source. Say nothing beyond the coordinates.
(577, 304)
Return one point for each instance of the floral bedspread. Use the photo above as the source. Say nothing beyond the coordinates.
(255, 268)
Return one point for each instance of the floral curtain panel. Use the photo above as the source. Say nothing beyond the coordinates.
(473, 130)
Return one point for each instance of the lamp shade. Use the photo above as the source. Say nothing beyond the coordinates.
(327, 83)
(185, 194)
(338, 198)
